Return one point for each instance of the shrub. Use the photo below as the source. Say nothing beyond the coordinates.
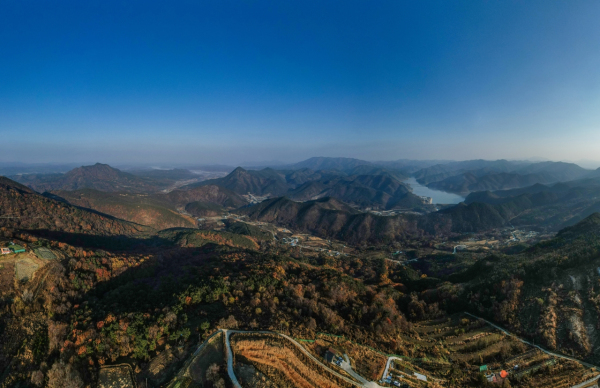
(64, 376)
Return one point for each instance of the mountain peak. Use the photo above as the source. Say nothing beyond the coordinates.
(238, 170)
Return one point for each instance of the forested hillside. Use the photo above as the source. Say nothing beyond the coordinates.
(22, 208)
(549, 292)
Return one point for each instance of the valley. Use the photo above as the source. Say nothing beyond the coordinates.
(134, 286)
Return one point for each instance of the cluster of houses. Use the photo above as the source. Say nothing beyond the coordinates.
(12, 248)
(292, 241)
(393, 380)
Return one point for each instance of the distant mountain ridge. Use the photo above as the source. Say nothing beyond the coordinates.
(469, 182)
(477, 175)
(99, 176)
(327, 163)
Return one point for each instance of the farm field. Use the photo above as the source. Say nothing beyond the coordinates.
(364, 360)
(280, 362)
(462, 350)
(116, 376)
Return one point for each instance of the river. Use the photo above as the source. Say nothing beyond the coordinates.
(438, 196)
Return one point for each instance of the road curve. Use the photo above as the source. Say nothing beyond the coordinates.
(230, 372)
(293, 341)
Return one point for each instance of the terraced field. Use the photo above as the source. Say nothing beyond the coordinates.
(283, 364)
(473, 348)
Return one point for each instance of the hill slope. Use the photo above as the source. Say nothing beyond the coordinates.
(159, 211)
(139, 208)
(549, 292)
(22, 208)
(330, 218)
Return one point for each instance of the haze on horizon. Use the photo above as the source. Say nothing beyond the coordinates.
(232, 82)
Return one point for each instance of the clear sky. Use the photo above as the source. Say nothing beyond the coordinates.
(230, 81)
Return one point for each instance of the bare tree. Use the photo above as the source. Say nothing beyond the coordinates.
(212, 373)
(27, 296)
(37, 378)
(229, 323)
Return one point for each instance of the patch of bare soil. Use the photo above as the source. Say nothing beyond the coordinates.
(249, 377)
(211, 353)
(7, 273)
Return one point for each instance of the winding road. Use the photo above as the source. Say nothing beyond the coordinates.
(361, 381)
(364, 383)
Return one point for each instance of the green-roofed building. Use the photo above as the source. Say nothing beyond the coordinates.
(17, 248)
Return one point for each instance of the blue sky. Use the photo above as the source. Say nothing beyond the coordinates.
(231, 81)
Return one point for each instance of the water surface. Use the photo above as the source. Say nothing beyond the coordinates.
(438, 196)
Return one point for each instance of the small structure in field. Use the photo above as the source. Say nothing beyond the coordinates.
(17, 248)
(332, 356)
(497, 378)
(5, 251)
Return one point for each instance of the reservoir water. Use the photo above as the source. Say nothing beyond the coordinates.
(438, 196)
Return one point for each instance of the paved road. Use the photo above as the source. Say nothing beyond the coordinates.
(230, 372)
(345, 365)
(387, 366)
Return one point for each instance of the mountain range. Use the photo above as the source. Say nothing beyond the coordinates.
(478, 175)
(137, 197)
(364, 186)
